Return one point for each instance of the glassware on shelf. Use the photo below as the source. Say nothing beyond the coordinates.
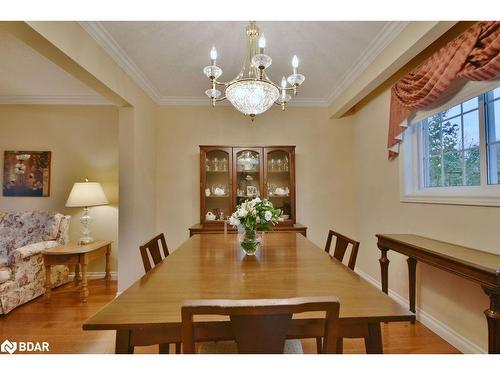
(247, 161)
(279, 165)
(286, 164)
(272, 165)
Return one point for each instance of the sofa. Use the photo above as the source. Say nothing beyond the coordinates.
(23, 237)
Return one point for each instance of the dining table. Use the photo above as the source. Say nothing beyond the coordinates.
(213, 266)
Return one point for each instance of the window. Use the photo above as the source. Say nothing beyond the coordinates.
(453, 156)
(492, 99)
(451, 146)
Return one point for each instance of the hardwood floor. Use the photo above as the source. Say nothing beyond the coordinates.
(60, 324)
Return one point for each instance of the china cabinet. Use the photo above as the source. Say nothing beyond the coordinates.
(229, 175)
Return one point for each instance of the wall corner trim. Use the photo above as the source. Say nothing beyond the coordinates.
(435, 325)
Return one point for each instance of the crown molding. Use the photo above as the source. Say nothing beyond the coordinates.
(111, 46)
(53, 100)
(380, 42)
(113, 49)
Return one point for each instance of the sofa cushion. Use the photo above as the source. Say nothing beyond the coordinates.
(5, 273)
(51, 229)
(19, 229)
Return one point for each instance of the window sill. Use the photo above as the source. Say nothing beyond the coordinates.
(485, 201)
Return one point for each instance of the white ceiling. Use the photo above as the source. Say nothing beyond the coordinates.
(167, 58)
(26, 77)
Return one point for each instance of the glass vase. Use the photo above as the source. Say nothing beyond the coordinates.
(250, 241)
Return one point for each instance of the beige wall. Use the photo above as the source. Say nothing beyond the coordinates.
(324, 165)
(457, 303)
(74, 50)
(84, 143)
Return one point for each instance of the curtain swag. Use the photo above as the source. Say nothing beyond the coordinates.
(472, 56)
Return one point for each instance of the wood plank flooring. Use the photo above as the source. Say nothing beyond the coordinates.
(60, 324)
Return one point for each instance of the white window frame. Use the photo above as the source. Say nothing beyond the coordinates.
(411, 168)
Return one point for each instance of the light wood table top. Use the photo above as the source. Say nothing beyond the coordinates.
(74, 248)
(478, 259)
(212, 266)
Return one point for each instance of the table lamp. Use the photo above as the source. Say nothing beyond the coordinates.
(86, 194)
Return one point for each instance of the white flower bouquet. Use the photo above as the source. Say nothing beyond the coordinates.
(254, 215)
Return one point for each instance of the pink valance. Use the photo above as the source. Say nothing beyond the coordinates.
(473, 56)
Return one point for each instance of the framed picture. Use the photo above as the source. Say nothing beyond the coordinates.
(252, 191)
(26, 173)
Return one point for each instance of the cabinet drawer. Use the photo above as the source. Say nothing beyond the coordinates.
(61, 259)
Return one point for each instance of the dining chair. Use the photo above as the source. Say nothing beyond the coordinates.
(153, 248)
(260, 326)
(341, 244)
(158, 250)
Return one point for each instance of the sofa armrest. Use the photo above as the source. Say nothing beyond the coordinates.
(29, 250)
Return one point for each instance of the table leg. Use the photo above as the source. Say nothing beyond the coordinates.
(164, 348)
(122, 343)
(340, 345)
(77, 274)
(412, 277)
(319, 345)
(493, 318)
(108, 264)
(84, 292)
(373, 342)
(384, 269)
(48, 283)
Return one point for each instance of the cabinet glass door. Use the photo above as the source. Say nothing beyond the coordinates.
(248, 173)
(216, 185)
(280, 184)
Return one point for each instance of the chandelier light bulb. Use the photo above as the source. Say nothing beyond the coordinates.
(295, 63)
(283, 82)
(213, 55)
(262, 43)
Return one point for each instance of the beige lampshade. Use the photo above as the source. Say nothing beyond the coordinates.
(86, 194)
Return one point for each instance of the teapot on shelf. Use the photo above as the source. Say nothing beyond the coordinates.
(210, 216)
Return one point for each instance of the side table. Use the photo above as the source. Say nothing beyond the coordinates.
(79, 255)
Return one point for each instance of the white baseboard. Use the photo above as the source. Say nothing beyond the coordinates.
(96, 275)
(438, 327)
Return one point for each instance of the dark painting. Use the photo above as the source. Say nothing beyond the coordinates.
(26, 174)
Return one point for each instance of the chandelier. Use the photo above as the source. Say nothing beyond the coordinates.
(251, 91)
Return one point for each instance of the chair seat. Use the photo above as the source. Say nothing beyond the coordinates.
(229, 347)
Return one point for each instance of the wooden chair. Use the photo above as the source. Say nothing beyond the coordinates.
(341, 244)
(260, 326)
(155, 250)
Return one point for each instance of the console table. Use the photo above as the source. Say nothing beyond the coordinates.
(475, 265)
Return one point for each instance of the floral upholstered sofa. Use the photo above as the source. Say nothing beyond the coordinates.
(23, 236)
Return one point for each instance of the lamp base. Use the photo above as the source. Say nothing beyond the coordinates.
(85, 240)
(85, 221)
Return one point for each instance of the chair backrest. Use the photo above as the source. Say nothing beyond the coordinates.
(260, 326)
(341, 245)
(155, 247)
